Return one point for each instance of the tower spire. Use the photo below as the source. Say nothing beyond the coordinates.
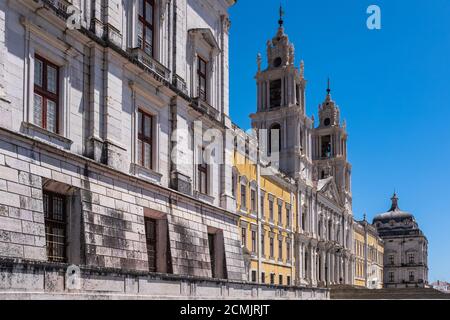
(394, 199)
(281, 21)
(328, 86)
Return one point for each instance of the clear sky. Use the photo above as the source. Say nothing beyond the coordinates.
(392, 86)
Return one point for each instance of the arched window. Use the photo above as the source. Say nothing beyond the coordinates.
(274, 132)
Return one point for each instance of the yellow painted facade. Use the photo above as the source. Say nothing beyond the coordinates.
(267, 233)
(369, 251)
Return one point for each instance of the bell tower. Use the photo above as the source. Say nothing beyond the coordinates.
(329, 143)
(284, 129)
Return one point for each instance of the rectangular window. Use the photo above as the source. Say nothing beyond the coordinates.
(271, 210)
(391, 259)
(272, 254)
(254, 276)
(280, 279)
(411, 276)
(288, 280)
(146, 26)
(151, 238)
(212, 252)
(55, 226)
(288, 251)
(243, 197)
(262, 207)
(202, 78)
(263, 277)
(272, 278)
(234, 184)
(275, 93)
(202, 175)
(254, 241)
(391, 276)
(288, 218)
(145, 140)
(244, 237)
(280, 215)
(263, 245)
(253, 200)
(411, 258)
(46, 95)
(280, 249)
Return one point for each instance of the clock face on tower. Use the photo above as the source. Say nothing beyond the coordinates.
(277, 62)
(327, 122)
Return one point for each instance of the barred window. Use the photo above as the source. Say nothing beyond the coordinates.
(46, 94)
(253, 241)
(145, 137)
(146, 26)
(55, 226)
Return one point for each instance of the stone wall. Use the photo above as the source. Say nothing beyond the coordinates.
(107, 212)
(26, 280)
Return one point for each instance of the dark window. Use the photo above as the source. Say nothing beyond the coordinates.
(146, 26)
(272, 248)
(244, 237)
(145, 137)
(275, 93)
(254, 276)
(280, 279)
(55, 226)
(263, 277)
(253, 200)
(263, 245)
(271, 210)
(391, 277)
(254, 241)
(280, 249)
(411, 276)
(326, 146)
(272, 279)
(262, 207)
(288, 252)
(212, 253)
(46, 95)
(243, 196)
(391, 259)
(288, 280)
(280, 215)
(234, 184)
(203, 175)
(202, 79)
(411, 258)
(288, 217)
(151, 236)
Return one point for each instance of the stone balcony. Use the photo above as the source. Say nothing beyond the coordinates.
(151, 64)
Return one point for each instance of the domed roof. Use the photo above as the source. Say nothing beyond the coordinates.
(394, 213)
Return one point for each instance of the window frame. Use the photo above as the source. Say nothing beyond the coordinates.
(142, 139)
(51, 222)
(202, 76)
(46, 95)
(254, 243)
(146, 24)
(202, 169)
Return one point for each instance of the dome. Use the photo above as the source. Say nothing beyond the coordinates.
(394, 213)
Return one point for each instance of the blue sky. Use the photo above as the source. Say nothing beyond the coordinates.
(392, 86)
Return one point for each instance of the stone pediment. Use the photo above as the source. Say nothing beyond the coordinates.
(327, 187)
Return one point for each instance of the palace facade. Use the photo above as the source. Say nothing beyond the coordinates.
(108, 169)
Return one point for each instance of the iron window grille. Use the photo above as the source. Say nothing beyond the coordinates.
(55, 226)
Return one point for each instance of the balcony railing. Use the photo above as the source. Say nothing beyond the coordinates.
(150, 63)
(60, 5)
(204, 107)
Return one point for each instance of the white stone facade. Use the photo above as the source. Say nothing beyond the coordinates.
(92, 158)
